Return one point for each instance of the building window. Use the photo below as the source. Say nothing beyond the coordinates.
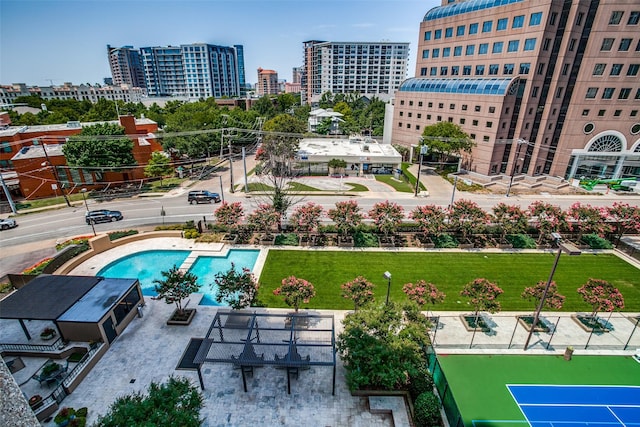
(470, 50)
(477, 108)
(479, 70)
(518, 21)
(535, 19)
(633, 69)
(579, 19)
(529, 44)
(439, 118)
(625, 44)
(473, 28)
(402, 102)
(452, 106)
(446, 52)
(598, 69)
(428, 116)
(448, 32)
(6, 147)
(565, 69)
(430, 105)
(591, 93)
(616, 69)
(437, 34)
(462, 120)
(525, 67)
(427, 35)
(460, 30)
(616, 16)
(601, 113)
(483, 48)
(634, 17)
(607, 44)
(441, 105)
(545, 45)
(624, 93)
(585, 112)
(436, 53)
(493, 69)
(633, 113)
(417, 127)
(474, 122)
(464, 107)
(433, 71)
(472, 136)
(492, 110)
(423, 71)
(638, 46)
(419, 103)
(408, 125)
(425, 53)
(419, 115)
(497, 47)
(572, 44)
(513, 45)
(401, 113)
(487, 26)
(410, 103)
(457, 51)
(607, 93)
(617, 113)
(466, 70)
(559, 92)
(399, 124)
(455, 70)
(485, 138)
(508, 69)
(443, 71)
(502, 24)
(552, 18)
(541, 68)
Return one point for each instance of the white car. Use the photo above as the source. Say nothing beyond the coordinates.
(7, 223)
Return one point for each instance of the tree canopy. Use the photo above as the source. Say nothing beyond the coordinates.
(98, 146)
(446, 139)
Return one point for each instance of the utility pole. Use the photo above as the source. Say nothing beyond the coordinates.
(423, 150)
(520, 142)
(55, 175)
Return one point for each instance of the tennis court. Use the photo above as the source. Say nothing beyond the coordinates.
(539, 390)
(578, 406)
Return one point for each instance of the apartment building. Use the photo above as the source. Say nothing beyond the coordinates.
(126, 66)
(125, 93)
(370, 69)
(267, 82)
(544, 87)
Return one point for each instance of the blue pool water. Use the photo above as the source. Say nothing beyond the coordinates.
(147, 266)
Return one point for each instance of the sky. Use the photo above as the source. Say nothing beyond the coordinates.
(52, 42)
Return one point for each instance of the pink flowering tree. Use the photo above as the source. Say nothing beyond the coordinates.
(467, 217)
(510, 219)
(546, 218)
(229, 215)
(553, 299)
(238, 289)
(346, 216)
(306, 218)
(588, 219)
(601, 296)
(430, 219)
(264, 218)
(295, 291)
(387, 216)
(423, 293)
(624, 218)
(482, 295)
(359, 290)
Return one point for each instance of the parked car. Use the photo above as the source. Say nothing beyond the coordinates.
(8, 223)
(203, 197)
(104, 215)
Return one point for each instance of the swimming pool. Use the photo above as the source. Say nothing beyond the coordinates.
(147, 266)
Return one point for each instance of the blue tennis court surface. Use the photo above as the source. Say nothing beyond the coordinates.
(578, 406)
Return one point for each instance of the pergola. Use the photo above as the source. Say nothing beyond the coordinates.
(293, 341)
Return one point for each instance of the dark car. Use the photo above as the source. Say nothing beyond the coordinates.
(94, 217)
(203, 197)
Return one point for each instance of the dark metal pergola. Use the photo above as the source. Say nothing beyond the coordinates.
(293, 341)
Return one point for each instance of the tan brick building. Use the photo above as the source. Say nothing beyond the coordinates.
(544, 87)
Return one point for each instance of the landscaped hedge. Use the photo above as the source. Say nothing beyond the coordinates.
(596, 242)
(426, 410)
(521, 241)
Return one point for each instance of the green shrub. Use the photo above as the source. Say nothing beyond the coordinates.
(426, 410)
(77, 241)
(82, 412)
(521, 241)
(5, 287)
(120, 234)
(420, 382)
(327, 229)
(191, 234)
(169, 227)
(77, 356)
(596, 242)
(365, 240)
(445, 241)
(287, 239)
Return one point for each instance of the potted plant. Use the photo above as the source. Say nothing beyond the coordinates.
(50, 368)
(175, 286)
(35, 401)
(65, 415)
(48, 333)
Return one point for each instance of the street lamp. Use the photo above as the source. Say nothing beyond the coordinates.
(84, 198)
(387, 276)
(423, 150)
(520, 143)
(562, 247)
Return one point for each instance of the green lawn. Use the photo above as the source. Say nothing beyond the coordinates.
(401, 185)
(478, 383)
(327, 270)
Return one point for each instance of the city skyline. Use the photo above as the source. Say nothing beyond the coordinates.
(39, 44)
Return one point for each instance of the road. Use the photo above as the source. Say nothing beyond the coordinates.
(37, 233)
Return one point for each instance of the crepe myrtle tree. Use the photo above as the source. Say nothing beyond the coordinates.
(467, 217)
(482, 295)
(359, 290)
(510, 218)
(265, 218)
(295, 291)
(588, 219)
(229, 215)
(175, 286)
(423, 293)
(306, 218)
(624, 218)
(387, 216)
(430, 219)
(346, 216)
(552, 300)
(547, 218)
(601, 296)
(238, 289)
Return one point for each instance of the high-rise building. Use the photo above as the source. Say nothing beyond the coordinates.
(542, 87)
(196, 70)
(267, 82)
(241, 74)
(296, 75)
(126, 67)
(370, 69)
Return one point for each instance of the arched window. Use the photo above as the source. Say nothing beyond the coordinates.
(607, 143)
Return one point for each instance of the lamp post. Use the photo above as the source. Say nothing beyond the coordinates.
(55, 174)
(84, 198)
(387, 276)
(520, 143)
(423, 150)
(562, 247)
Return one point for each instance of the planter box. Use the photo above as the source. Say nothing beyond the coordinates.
(589, 324)
(465, 245)
(526, 322)
(175, 319)
(346, 242)
(231, 239)
(468, 321)
(267, 240)
(386, 242)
